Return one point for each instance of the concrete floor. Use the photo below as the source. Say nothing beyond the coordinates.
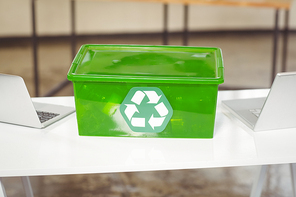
(247, 59)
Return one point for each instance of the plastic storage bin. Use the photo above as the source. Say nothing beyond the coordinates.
(146, 91)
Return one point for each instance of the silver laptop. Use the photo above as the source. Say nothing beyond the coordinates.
(16, 106)
(277, 111)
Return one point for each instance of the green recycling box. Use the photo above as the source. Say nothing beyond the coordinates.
(146, 91)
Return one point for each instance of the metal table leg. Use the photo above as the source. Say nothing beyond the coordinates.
(275, 44)
(2, 189)
(293, 177)
(64, 83)
(285, 42)
(259, 181)
(34, 44)
(165, 24)
(27, 186)
(73, 27)
(185, 30)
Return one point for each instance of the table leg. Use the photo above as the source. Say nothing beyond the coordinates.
(2, 189)
(34, 44)
(259, 180)
(275, 44)
(165, 24)
(73, 29)
(293, 177)
(27, 186)
(185, 30)
(66, 82)
(285, 42)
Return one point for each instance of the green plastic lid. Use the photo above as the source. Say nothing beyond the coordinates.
(148, 64)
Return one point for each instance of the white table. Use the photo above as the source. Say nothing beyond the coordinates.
(59, 150)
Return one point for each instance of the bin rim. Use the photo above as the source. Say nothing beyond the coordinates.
(72, 76)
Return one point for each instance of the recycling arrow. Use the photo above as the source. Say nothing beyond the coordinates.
(146, 109)
(153, 97)
(138, 97)
(155, 122)
(138, 122)
(130, 110)
(161, 109)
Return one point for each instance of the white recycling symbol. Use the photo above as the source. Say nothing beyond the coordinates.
(154, 111)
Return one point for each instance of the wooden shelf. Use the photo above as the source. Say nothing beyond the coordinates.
(278, 4)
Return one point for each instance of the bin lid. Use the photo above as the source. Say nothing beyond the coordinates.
(148, 64)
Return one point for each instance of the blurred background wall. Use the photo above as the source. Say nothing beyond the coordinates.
(111, 17)
(245, 34)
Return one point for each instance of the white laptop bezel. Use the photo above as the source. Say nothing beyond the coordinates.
(16, 106)
(279, 110)
(15, 102)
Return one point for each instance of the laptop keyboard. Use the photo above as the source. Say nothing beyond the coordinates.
(45, 116)
(256, 112)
